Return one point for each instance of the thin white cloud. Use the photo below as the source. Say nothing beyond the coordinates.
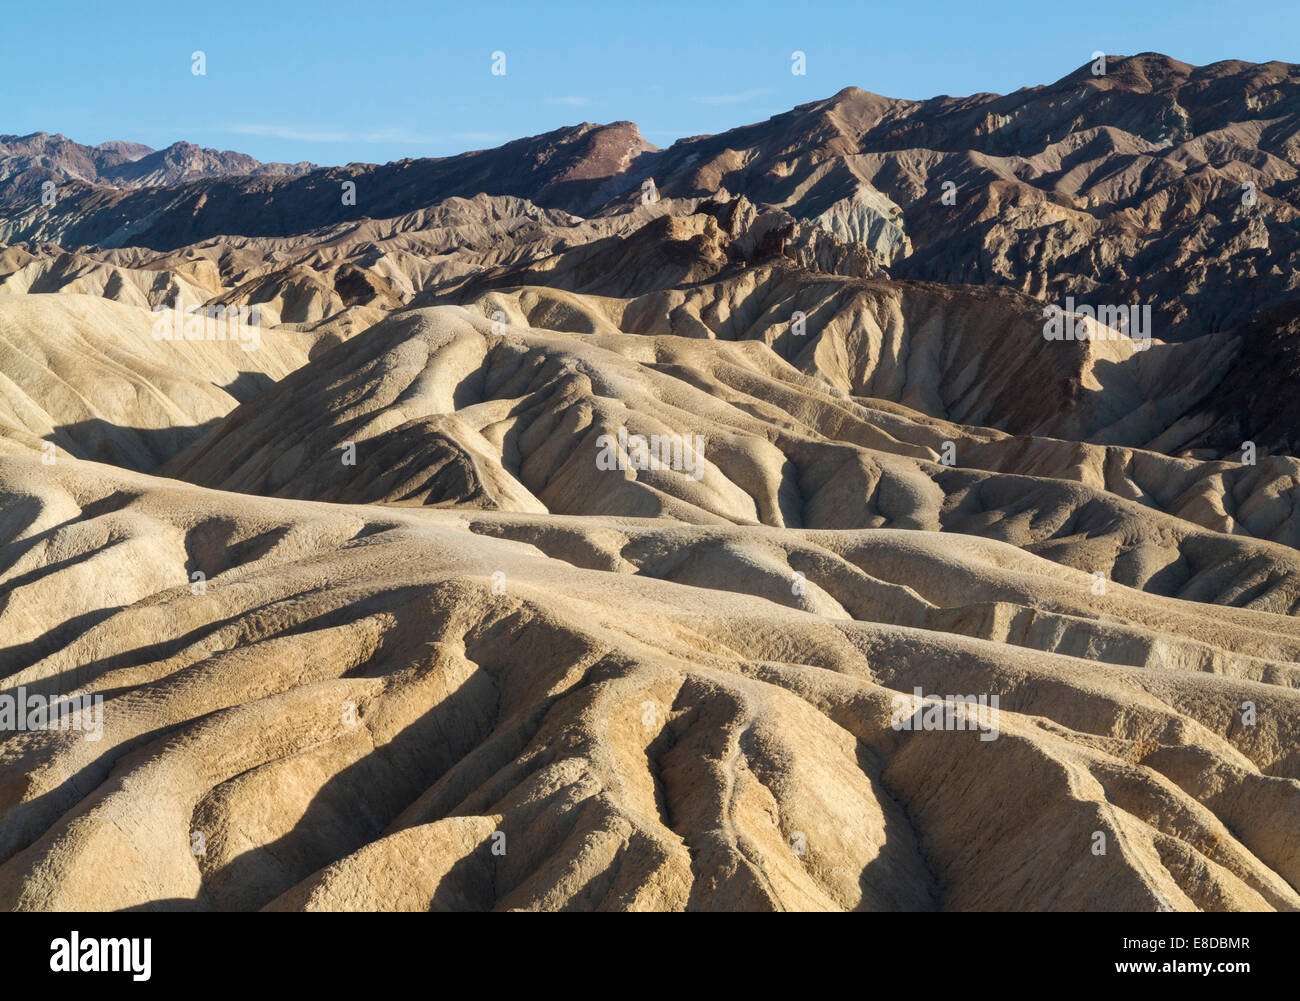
(396, 136)
(576, 102)
(283, 132)
(386, 135)
(741, 98)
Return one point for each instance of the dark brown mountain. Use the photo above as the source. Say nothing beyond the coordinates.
(26, 162)
(582, 167)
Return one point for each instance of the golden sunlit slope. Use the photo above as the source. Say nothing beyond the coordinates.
(413, 709)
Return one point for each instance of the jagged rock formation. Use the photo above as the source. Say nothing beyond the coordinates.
(27, 162)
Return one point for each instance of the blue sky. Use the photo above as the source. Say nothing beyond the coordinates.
(334, 82)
